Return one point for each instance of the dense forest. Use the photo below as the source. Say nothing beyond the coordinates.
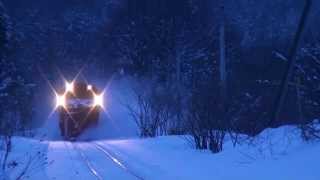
(207, 67)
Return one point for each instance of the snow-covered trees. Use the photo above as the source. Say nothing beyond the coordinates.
(200, 75)
(7, 70)
(15, 92)
(306, 82)
(185, 53)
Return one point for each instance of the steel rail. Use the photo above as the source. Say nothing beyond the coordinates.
(93, 171)
(116, 160)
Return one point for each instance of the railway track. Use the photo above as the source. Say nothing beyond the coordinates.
(109, 156)
(88, 163)
(116, 160)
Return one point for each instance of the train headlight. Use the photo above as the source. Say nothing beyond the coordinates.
(89, 87)
(60, 100)
(98, 100)
(69, 87)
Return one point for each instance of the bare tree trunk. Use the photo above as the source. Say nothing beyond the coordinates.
(179, 98)
(7, 144)
(299, 99)
(223, 72)
(178, 67)
(217, 131)
(291, 62)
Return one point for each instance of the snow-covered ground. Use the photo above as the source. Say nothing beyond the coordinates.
(112, 150)
(277, 154)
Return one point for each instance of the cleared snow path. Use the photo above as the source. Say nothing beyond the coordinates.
(85, 160)
(65, 162)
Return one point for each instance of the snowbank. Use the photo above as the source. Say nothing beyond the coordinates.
(276, 154)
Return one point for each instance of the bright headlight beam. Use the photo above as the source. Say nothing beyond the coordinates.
(89, 87)
(98, 100)
(60, 100)
(69, 87)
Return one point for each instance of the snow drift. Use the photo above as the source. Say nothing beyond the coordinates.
(277, 154)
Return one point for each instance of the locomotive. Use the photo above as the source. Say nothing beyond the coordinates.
(79, 106)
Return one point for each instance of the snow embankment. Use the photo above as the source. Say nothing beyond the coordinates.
(277, 154)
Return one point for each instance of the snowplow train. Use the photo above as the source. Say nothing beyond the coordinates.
(79, 106)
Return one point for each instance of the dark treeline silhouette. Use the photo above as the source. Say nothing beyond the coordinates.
(174, 50)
